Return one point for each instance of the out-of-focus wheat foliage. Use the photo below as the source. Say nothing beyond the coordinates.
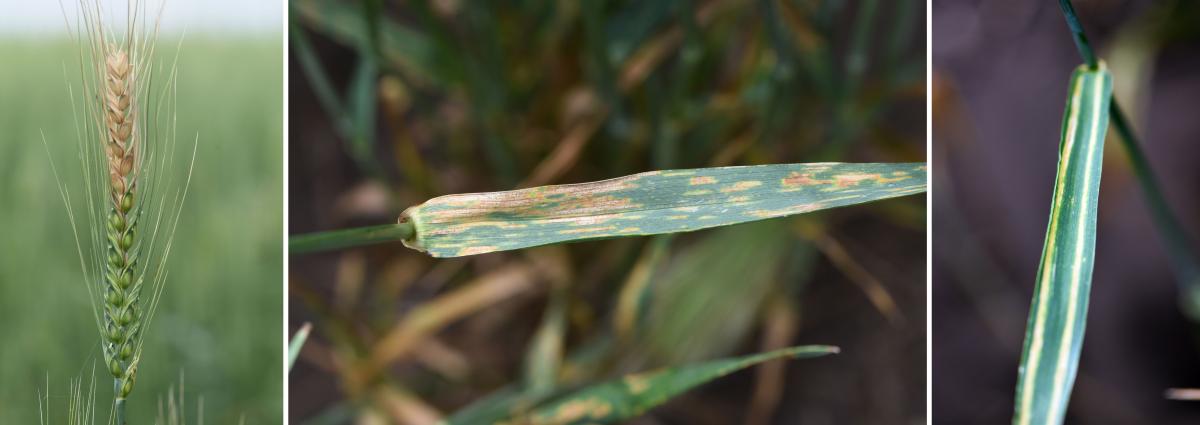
(401, 103)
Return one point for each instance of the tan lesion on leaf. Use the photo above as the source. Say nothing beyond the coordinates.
(535, 198)
(696, 181)
(587, 220)
(486, 209)
(637, 384)
(742, 185)
(586, 230)
(468, 226)
(473, 250)
(575, 410)
(853, 179)
(797, 179)
(699, 192)
(794, 209)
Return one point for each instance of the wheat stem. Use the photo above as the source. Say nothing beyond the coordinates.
(326, 241)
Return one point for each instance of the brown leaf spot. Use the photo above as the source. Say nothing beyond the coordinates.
(796, 179)
(847, 180)
(740, 186)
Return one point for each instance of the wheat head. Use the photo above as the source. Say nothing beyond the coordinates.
(132, 197)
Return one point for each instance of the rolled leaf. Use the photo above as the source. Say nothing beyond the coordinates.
(1054, 334)
(648, 203)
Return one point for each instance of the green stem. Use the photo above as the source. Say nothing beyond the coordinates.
(1081, 41)
(119, 405)
(359, 236)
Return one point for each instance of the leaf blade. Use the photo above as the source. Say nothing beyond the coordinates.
(1054, 334)
(650, 203)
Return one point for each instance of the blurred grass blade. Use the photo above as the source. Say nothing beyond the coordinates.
(316, 76)
(628, 397)
(405, 49)
(297, 343)
(634, 294)
(1057, 317)
(362, 102)
(693, 314)
(650, 203)
(545, 355)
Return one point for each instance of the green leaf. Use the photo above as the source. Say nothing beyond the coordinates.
(650, 203)
(628, 397)
(1057, 317)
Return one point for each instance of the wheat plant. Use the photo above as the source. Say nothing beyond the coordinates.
(124, 111)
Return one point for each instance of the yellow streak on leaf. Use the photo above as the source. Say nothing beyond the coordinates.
(586, 230)
(795, 209)
(472, 250)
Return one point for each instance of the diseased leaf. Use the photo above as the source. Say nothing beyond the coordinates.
(1057, 317)
(655, 202)
(628, 397)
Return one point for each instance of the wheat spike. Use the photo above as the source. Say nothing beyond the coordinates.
(125, 123)
(121, 312)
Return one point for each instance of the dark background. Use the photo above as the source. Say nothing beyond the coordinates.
(1001, 70)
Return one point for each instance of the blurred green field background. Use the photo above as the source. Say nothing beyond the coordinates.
(219, 321)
